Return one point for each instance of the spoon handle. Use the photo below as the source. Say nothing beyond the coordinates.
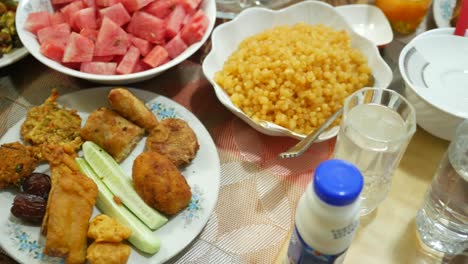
(462, 22)
(304, 144)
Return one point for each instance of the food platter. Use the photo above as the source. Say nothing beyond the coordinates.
(443, 10)
(24, 242)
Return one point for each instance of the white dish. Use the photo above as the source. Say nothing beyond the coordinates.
(443, 10)
(30, 42)
(226, 38)
(434, 66)
(12, 57)
(368, 21)
(24, 242)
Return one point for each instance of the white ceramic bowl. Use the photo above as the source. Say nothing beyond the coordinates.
(368, 21)
(30, 42)
(434, 67)
(226, 37)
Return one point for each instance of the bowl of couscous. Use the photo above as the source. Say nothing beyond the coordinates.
(284, 72)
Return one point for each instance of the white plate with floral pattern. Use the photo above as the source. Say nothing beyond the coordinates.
(24, 242)
(443, 10)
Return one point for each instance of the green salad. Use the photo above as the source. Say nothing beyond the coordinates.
(9, 39)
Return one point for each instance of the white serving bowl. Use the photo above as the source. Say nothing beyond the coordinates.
(32, 45)
(434, 67)
(226, 38)
(368, 21)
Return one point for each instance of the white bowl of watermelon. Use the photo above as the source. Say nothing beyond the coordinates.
(114, 41)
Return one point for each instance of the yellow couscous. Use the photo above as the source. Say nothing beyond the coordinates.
(295, 76)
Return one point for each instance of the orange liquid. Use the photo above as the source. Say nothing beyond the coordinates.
(404, 15)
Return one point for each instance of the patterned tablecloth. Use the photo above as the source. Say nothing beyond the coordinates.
(258, 193)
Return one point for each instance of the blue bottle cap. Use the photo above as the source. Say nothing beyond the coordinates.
(337, 182)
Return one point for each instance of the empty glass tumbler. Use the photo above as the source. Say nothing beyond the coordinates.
(442, 220)
(375, 130)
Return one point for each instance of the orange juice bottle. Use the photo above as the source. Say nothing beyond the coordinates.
(404, 15)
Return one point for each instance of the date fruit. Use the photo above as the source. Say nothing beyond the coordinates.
(29, 207)
(37, 184)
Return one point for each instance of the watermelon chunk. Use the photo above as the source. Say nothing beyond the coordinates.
(195, 29)
(89, 33)
(160, 8)
(103, 68)
(103, 58)
(143, 45)
(37, 20)
(174, 21)
(175, 46)
(135, 5)
(60, 2)
(128, 62)
(85, 18)
(78, 49)
(52, 50)
(156, 57)
(190, 5)
(56, 33)
(141, 66)
(57, 18)
(71, 9)
(90, 3)
(149, 27)
(106, 3)
(111, 40)
(116, 13)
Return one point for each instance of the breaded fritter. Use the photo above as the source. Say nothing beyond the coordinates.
(108, 253)
(112, 132)
(175, 139)
(129, 106)
(106, 229)
(159, 183)
(51, 124)
(69, 208)
(16, 162)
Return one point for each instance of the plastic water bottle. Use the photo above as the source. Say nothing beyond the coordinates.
(327, 214)
(442, 221)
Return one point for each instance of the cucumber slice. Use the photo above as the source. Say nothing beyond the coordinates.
(110, 172)
(142, 237)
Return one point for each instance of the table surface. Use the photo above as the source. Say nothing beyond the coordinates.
(255, 211)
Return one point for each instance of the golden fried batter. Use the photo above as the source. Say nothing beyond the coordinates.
(159, 183)
(108, 253)
(69, 207)
(175, 139)
(129, 106)
(51, 124)
(112, 132)
(16, 162)
(105, 229)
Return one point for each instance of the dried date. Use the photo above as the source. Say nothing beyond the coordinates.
(37, 184)
(29, 207)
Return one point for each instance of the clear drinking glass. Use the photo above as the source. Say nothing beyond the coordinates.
(442, 220)
(404, 15)
(375, 130)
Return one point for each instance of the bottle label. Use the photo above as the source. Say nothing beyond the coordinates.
(299, 252)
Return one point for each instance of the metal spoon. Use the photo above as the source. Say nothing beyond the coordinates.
(304, 144)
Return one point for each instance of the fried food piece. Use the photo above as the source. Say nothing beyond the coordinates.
(175, 139)
(69, 209)
(105, 229)
(456, 13)
(16, 162)
(51, 124)
(129, 106)
(108, 253)
(159, 183)
(112, 132)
